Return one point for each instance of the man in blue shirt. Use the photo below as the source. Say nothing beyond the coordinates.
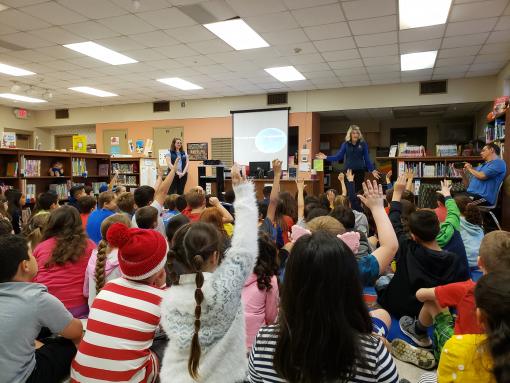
(486, 178)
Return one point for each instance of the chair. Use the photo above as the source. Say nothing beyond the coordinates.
(488, 209)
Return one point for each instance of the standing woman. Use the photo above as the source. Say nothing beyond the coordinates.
(179, 182)
(354, 154)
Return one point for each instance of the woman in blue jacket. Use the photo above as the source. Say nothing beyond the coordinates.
(181, 175)
(354, 154)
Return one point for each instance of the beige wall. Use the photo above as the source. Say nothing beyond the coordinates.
(8, 121)
(503, 82)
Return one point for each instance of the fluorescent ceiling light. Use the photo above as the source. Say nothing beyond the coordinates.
(179, 83)
(419, 60)
(13, 71)
(19, 97)
(237, 34)
(285, 73)
(3, 7)
(422, 13)
(99, 52)
(93, 91)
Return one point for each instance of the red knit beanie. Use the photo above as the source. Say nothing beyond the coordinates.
(142, 253)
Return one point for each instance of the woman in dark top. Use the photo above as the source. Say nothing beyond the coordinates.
(15, 202)
(354, 154)
(181, 175)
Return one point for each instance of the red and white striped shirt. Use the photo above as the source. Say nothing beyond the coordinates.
(121, 326)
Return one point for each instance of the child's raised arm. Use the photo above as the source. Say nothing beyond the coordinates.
(373, 198)
(300, 184)
(341, 178)
(275, 191)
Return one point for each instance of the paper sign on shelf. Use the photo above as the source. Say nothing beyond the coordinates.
(305, 151)
(304, 167)
(161, 157)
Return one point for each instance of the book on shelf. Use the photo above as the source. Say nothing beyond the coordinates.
(62, 190)
(124, 168)
(79, 166)
(97, 185)
(12, 169)
(449, 150)
(495, 131)
(103, 170)
(430, 169)
(412, 151)
(30, 192)
(127, 180)
(30, 168)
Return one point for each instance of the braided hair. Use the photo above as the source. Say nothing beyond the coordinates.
(102, 247)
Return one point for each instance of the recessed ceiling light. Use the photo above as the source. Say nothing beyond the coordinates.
(179, 83)
(93, 91)
(421, 13)
(19, 97)
(285, 73)
(237, 34)
(14, 71)
(99, 52)
(419, 60)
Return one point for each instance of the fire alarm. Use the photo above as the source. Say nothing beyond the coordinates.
(21, 113)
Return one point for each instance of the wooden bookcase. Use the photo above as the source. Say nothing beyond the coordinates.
(134, 170)
(40, 179)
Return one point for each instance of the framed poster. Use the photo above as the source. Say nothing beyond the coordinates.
(198, 151)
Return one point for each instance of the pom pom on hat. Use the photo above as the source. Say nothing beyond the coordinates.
(118, 235)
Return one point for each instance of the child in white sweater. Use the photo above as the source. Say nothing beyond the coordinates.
(202, 312)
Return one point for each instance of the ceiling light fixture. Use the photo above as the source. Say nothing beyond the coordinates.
(101, 53)
(285, 73)
(179, 83)
(19, 97)
(93, 91)
(14, 71)
(420, 13)
(237, 34)
(416, 61)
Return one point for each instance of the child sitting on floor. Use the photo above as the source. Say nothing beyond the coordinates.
(107, 206)
(126, 204)
(471, 229)
(147, 217)
(87, 204)
(25, 308)
(126, 313)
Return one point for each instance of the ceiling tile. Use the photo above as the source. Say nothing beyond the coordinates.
(321, 75)
(306, 58)
(470, 27)
(358, 73)
(335, 44)
(226, 57)
(315, 67)
(383, 50)
(363, 9)
(499, 37)
(154, 39)
(121, 43)
(290, 49)
(494, 58)
(145, 5)
(347, 54)
(21, 20)
(62, 65)
(503, 23)
(420, 46)
(481, 73)
(86, 62)
(272, 22)
(451, 69)
(145, 54)
(21, 3)
(328, 31)
(210, 69)
(53, 13)
(477, 10)
(58, 52)
(57, 35)
(348, 84)
(487, 66)
(461, 60)
(381, 60)
(5, 29)
(127, 24)
(90, 30)
(285, 37)
(456, 52)
(94, 9)
(175, 51)
(376, 69)
(465, 40)
(246, 8)
(419, 34)
(321, 15)
(495, 48)
(296, 4)
(26, 40)
(346, 64)
(376, 39)
(167, 18)
(210, 46)
(448, 76)
(195, 61)
(191, 34)
(374, 25)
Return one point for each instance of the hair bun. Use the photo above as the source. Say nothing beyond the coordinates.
(118, 235)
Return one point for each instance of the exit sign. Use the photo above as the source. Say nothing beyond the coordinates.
(21, 113)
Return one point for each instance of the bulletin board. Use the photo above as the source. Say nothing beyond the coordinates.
(198, 151)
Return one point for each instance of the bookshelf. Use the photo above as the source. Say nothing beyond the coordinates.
(132, 171)
(27, 170)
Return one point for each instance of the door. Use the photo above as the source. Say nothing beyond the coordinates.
(64, 142)
(163, 137)
(115, 141)
(413, 136)
(23, 141)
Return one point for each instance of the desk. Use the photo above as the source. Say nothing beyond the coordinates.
(313, 187)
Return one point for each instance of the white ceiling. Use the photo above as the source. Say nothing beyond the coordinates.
(340, 44)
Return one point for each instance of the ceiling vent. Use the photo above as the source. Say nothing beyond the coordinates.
(61, 114)
(277, 98)
(161, 106)
(434, 87)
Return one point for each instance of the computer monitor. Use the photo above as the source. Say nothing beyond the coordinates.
(259, 169)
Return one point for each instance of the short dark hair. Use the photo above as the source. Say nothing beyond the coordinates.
(317, 212)
(424, 224)
(170, 201)
(88, 189)
(309, 207)
(230, 196)
(181, 203)
(493, 146)
(126, 202)
(144, 195)
(175, 224)
(146, 217)
(345, 216)
(13, 250)
(105, 197)
(440, 198)
(46, 199)
(262, 207)
(267, 191)
(75, 190)
(5, 226)
(86, 204)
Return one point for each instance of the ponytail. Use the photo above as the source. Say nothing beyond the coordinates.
(196, 351)
(100, 272)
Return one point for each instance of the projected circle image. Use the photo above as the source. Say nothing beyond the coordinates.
(270, 140)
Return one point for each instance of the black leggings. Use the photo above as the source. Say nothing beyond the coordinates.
(53, 360)
(178, 185)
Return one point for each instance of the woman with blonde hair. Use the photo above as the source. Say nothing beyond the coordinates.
(354, 154)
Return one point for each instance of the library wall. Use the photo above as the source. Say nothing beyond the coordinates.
(84, 130)
(8, 121)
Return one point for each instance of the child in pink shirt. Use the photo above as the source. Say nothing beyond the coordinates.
(260, 292)
(62, 258)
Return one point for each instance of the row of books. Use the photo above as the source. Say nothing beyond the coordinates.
(405, 150)
(11, 170)
(30, 168)
(446, 150)
(62, 190)
(96, 186)
(125, 168)
(496, 131)
(127, 180)
(427, 169)
(79, 166)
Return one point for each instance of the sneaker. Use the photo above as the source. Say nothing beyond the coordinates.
(408, 353)
(407, 326)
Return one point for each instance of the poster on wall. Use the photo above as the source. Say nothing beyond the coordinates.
(80, 143)
(198, 151)
(114, 141)
(8, 140)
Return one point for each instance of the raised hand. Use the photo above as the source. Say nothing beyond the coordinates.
(213, 201)
(159, 171)
(277, 166)
(376, 174)
(321, 156)
(400, 184)
(445, 189)
(350, 175)
(373, 196)
(237, 179)
(300, 184)
(409, 174)
(341, 177)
